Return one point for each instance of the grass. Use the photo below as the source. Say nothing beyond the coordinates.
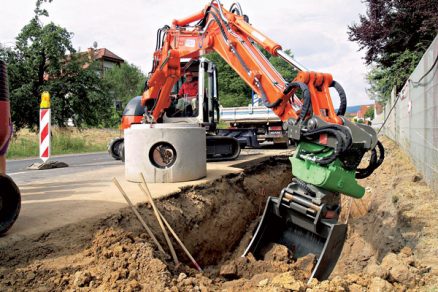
(64, 141)
(222, 125)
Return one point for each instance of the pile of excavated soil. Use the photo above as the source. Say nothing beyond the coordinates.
(390, 246)
(395, 228)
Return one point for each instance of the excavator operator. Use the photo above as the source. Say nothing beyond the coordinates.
(187, 93)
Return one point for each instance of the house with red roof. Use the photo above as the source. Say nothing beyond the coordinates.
(361, 114)
(105, 59)
(362, 111)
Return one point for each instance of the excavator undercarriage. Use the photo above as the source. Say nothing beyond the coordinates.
(219, 148)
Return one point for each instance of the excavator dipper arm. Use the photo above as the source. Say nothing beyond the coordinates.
(329, 147)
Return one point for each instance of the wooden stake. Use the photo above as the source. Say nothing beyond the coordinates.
(169, 243)
(139, 216)
(173, 233)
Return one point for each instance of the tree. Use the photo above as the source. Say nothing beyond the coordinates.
(233, 91)
(383, 79)
(122, 84)
(44, 59)
(389, 28)
(370, 113)
(395, 35)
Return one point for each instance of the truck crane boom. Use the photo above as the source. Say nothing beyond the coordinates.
(304, 217)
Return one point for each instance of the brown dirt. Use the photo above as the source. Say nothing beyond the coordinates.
(391, 245)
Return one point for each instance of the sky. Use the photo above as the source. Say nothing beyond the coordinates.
(314, 30)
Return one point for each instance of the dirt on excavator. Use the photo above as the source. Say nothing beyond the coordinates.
(391, 245)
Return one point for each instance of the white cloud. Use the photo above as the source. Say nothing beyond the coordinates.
(315, 30)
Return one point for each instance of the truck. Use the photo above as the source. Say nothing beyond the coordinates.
(255, 119)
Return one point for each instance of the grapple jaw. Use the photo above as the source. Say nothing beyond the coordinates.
(296, 220)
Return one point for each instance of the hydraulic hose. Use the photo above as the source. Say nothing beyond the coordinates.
(203, 21)
(306, 97)
(343, 97)
(235, 7)
(271, 104)
(159, 43)
(342, 136)
(4, 92)
(340, 146)
(348, 140)
(382, 153)
(219, 10)
(5, 116)
(374, 162)
(303, 185)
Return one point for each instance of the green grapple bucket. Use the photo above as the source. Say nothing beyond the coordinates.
(333, 177)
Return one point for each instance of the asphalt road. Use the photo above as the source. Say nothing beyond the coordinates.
(77, 163)
(17, 169)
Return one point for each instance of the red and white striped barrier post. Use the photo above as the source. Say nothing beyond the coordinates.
(45, 117)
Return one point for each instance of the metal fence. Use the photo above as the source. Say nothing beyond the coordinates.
(413, 123)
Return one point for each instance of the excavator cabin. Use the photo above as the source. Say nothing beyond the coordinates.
(204, 107)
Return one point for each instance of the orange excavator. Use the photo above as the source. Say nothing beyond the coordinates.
(325, 164)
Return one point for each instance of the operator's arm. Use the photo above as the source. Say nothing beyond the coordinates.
(181, 90)
(195, 88)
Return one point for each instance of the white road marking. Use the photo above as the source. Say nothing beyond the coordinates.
(15, 173)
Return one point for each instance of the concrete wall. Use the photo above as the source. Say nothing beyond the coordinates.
(413, 123)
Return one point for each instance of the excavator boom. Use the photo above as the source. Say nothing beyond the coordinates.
(238, 43)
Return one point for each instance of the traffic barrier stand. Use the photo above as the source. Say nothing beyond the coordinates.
(45, 136)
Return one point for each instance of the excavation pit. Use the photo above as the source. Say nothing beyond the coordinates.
(215, 222)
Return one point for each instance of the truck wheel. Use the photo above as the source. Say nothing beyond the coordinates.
(10, 203)
(282, 145)
(114, 148)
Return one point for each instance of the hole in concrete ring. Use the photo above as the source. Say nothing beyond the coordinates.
(162, 155)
